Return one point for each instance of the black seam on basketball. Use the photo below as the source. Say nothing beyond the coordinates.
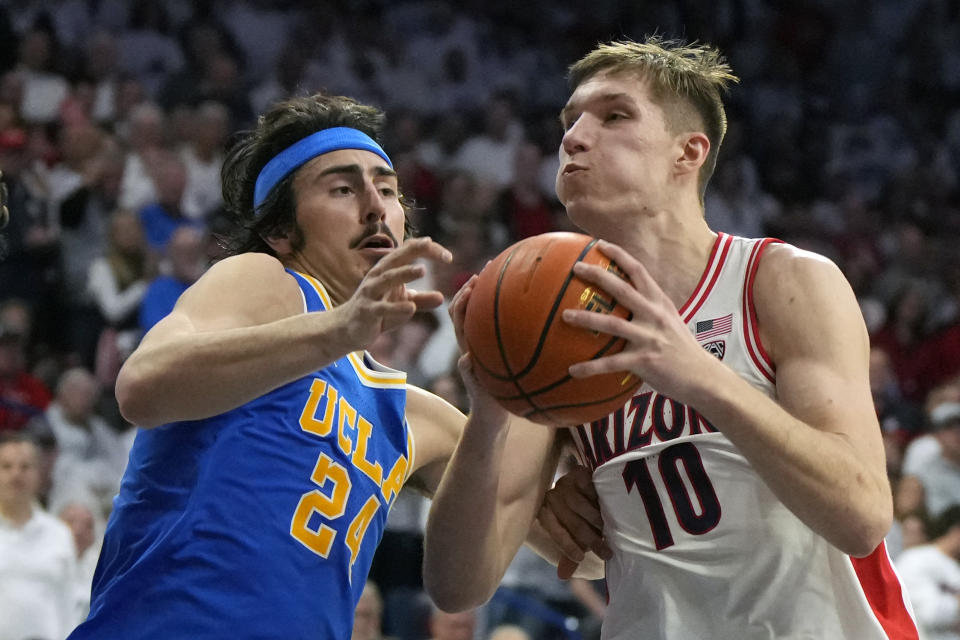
(553, 310)
(566, 378)
(543, 411)
(543, 331)
(496, 324)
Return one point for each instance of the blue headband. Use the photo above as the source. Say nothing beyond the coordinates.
(300, 152)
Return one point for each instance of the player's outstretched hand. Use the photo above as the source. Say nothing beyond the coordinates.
(382, 301)
(660, 349)
(480, 400)
(570, 513)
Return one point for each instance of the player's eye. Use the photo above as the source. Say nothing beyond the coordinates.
(387, 192)
(615, 115)
(342, 190)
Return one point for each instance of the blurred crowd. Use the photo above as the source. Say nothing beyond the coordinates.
(114, 116)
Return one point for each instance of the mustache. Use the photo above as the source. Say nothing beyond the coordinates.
(372, 230)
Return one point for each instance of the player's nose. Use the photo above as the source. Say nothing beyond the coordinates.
(374, 206)
(576, 137)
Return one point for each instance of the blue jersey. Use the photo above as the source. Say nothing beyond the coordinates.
(260, 522)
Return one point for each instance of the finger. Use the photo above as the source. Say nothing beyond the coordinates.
(634, 269)
(626, 293)
(566, 568)
(603, 549)
(459, 311)
(608, 364)
(602, 322)
(585, 509)
(425, 299)
(583, 533)
(378, 285)
(393, 312)
(420, 248)
(560, 536)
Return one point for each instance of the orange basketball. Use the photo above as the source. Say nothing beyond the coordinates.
(520, 345)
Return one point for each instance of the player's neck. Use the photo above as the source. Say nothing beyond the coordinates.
(298, 262)
(675, 249)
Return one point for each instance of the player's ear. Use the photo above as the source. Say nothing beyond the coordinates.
(280, 241)
(693, 151)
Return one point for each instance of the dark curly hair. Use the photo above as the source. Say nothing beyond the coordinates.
(284, 124)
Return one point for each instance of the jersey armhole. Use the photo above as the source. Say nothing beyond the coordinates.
(751, 330)
(411, 450)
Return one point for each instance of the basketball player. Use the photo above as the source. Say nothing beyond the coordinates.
(742, 489)
(272, 445)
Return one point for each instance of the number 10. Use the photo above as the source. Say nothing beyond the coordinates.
(694, 520)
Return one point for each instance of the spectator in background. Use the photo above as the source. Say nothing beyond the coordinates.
(44, 90)
(85, 230)
(37, 552)
(101, 62)
(931, 574)
(735, 203)
(91, 455)
(161, 218)
(286, 79)
(145, 139)
(902, 334)
(22, 396)
(452, 626)
(508, 632)
(222, 82)
(202, 158)
(186, 265)
(931, 483)
(490, 155)
(200, 39)
(117, 282)
(522, 208)
(368, 613)
(148, 49)
(31, 237)
(87, 530)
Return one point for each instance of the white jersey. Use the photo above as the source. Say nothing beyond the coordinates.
(702, 548)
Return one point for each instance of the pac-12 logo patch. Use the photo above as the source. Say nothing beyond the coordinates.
(717, 348)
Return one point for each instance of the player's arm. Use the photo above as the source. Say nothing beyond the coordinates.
(240, 332)
(437, 426)
(488, 495)
(485, 506)
(818, 446)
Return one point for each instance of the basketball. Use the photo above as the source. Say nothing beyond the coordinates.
(520, 345)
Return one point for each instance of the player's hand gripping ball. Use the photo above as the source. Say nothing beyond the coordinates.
(520, 345)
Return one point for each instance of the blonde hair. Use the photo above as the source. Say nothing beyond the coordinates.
(685, 79)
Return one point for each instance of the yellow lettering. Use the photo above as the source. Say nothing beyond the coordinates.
(348, 418)
(394, 482)
(372, 470)
(358, 528)
(308, 417)
(330, 506)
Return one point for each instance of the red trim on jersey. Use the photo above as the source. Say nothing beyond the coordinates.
(885, 594)
(751, 329)
(715, 265)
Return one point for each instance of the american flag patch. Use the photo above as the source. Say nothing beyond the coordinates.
(715, 327)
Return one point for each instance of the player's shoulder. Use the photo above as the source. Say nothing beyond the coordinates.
(250, 283)
(802, 299)
(436, 426)
(253, 268)
(789, 272)
(431, 417)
